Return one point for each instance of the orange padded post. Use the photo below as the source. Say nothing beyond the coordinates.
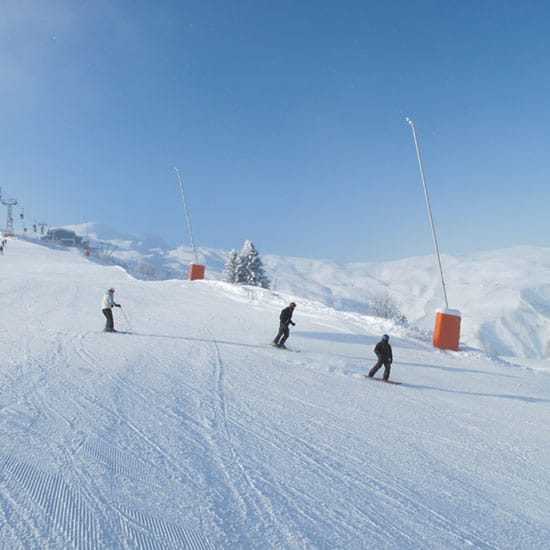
(196, 271)
(447, 329)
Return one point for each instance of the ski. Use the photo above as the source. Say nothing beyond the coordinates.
(284, 349)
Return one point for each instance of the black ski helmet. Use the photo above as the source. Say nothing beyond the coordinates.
(385, 337)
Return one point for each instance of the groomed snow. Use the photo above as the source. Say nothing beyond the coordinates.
(192, 432)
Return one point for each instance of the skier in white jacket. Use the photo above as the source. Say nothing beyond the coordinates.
(107, 306)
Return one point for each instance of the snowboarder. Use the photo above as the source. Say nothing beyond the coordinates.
(285, 319)
(107, 306)
(385, 357)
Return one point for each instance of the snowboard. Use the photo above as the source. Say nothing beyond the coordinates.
(382, 380)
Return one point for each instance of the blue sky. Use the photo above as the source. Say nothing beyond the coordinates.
(286, 118)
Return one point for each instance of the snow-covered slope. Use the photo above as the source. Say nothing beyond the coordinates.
(191, 432)
(504, 295)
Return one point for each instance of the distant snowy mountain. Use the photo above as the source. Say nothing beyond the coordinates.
(503, 295)
(146, 256)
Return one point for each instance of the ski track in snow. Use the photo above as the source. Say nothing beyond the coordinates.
(197, 436)
(83, 516)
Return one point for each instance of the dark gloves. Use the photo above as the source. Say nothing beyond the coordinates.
(293, 323)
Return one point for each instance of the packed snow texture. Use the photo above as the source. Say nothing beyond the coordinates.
(191, 431)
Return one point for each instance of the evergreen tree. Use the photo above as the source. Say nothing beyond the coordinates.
(251, 270)
(231, 269)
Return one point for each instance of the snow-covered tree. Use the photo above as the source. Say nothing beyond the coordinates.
(250, 269)
(383, 306)
(231, 269)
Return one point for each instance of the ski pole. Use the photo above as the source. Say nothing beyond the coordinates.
(129, 327)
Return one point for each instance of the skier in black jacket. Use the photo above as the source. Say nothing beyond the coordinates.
(385, 357)
(285, 319)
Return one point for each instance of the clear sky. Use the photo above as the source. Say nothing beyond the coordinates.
(286, 118)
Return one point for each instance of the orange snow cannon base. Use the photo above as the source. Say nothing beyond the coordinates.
(196, 271)
(447, 329)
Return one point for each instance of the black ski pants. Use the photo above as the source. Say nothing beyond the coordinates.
(387, 366)
(282, 335)
(110, 324)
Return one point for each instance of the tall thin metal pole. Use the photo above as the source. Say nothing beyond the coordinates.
(187, 215)
(411, 124)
